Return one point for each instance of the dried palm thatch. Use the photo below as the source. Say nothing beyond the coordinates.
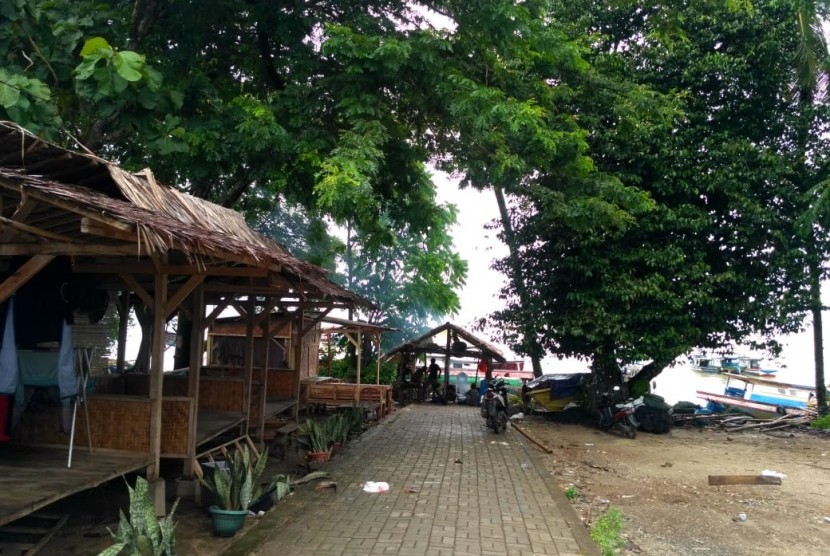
(162, 218)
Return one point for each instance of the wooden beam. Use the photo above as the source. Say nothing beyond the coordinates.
(21, 212)
(72, 248)
(138, 289)
(101, 229)
(70, 206)
(215, 313)
(175, 270)
(32, 230)
(181, 294)
(23, 275)
(744, 480)
(313, 322)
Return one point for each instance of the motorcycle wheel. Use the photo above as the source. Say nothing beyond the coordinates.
(630, 432)
(493, 423)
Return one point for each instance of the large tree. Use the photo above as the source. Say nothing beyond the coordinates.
(717, 259)
(331, 105)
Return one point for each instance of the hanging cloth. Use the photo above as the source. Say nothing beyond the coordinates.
(67, 381)
(8, 354)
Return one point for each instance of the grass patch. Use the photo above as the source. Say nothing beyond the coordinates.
(571, 493)
(607, 532)
(822, 423)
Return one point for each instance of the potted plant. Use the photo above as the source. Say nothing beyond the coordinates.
(316, 436)
(143, 532)
(235, 487)
(339, 429)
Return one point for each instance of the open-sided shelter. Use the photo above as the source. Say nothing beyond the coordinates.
(75, 227)
(450, 340)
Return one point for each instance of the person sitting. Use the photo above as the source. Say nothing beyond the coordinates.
(472, 395)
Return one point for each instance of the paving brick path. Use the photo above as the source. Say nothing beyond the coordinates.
(456, 489)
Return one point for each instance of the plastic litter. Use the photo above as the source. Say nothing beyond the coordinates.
(517, 416)
(768, 473)
(372, 486)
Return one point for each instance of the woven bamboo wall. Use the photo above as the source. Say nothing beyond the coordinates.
(175, 418)
(255, 414)
(221, 394)
(282, 384)
(117, 423)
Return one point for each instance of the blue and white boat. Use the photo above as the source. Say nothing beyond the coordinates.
(761, 397)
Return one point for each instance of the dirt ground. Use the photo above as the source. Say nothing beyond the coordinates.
(660, 484)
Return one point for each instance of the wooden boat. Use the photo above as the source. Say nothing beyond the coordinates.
(761, 397)
(554, 392)
(754, 368)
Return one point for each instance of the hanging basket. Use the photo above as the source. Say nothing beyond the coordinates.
(458, 348)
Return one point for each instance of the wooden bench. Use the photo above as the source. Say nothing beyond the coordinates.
(342, 394)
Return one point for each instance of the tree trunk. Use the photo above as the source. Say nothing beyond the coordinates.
(184, 330)
(818, 340)
(530, 342)
(144, 316)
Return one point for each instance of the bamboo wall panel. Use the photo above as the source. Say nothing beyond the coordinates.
(282, 384)
(221, 394)
(175, 417)
(256, 413)
(117, 423)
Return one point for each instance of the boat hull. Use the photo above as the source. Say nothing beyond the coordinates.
(752, 407)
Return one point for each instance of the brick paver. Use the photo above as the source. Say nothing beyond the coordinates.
(456, 488)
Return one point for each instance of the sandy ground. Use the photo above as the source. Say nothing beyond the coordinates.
(660, 484)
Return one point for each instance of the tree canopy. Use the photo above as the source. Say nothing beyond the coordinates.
(333, 106)
(716, 258)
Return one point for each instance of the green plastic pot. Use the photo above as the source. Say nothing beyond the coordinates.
(227, 522)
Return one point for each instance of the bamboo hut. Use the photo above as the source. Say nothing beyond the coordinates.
(78, 227)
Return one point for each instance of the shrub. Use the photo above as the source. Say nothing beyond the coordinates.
(571, 493)
(822, 423)
(607, 532)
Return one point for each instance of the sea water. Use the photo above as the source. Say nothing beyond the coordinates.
(680, 382)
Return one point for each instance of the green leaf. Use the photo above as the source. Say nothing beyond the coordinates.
(96, 46)
(9, 94)
(129, 64)
(86, 69)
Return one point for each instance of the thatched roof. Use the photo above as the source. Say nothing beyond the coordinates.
(85, 205)
(426, 344)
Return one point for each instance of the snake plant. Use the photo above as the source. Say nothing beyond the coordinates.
(238, 485)
(143, 534)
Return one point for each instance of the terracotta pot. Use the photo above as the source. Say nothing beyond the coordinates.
(317, 457)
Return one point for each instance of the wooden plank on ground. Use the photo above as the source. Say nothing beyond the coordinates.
(744, 480)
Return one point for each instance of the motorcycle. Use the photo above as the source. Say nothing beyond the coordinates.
(618, 417)
(494, 406)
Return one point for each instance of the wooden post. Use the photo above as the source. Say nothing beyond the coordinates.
(250, 307)
(265, 327)
(197, 345)
(156, 387)
(123, 325)
(297, 351)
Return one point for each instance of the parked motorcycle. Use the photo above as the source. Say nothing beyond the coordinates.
(617, 417)
(494, 406)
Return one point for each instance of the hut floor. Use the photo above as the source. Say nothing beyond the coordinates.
(212, 424)
(33, 477)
